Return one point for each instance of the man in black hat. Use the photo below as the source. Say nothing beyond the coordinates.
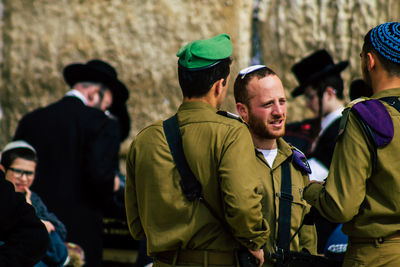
(322, 85)
(113, 102)
(77, 148)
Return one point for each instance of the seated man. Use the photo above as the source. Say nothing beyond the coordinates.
(19, 160)
(24, 239)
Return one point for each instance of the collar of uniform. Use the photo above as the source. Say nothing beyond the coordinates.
(387, 92)
(284, 151)
(190, 105)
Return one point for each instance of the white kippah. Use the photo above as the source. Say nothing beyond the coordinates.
(18, 144)
(250, 69)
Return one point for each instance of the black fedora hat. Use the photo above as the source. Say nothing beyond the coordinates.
(97, 70)
(313, 67)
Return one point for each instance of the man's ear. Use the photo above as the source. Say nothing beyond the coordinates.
(243, 111)
(371, 61)
(2, 168)
(219, 86)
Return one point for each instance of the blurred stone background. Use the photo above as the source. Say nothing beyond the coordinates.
(140, 39)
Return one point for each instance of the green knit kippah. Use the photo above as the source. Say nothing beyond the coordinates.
(205, 53)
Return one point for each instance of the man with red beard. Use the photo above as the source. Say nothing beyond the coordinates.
(261, 102)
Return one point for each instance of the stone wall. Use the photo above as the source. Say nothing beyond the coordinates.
(141, 38)
(293, 29)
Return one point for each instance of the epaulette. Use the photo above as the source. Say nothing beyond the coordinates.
(229, 115)
(374, 118)
(346, 113)
(300, 160)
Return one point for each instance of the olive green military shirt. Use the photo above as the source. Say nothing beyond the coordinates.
(363, 197)
(271, 180)
(220, 152)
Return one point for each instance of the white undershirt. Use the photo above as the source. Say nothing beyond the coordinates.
(269, 155)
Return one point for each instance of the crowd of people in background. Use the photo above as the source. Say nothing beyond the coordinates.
(71, 147)
(208, 187)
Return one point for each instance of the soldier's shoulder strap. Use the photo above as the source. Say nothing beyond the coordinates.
(346, 114)
(392, 101)
(229, 115)
(300, 160)
(374, 118)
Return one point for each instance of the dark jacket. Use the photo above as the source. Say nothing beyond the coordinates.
(77, 148)
(44, 214)
(23, 237)
(326, 144)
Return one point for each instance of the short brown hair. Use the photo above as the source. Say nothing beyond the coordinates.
(242, 80)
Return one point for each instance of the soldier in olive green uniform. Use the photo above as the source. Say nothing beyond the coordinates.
(363, 186)
(261, 102)
(219, 152)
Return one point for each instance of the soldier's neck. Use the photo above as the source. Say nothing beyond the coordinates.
(262, 143)
(382, 80)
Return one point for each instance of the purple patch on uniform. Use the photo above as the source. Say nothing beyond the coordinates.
(374, 113)
(301, 161)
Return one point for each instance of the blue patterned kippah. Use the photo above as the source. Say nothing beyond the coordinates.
(386, 40)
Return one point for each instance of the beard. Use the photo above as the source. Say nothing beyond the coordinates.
(259, 128)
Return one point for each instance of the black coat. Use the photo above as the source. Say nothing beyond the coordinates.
(326, 144)
(77, 149)
(25, 237)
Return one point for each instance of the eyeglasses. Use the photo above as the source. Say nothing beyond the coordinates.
(18, 173)
(249, 70)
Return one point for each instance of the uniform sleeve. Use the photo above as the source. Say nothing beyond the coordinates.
(101, 158)
(241, 190)
(131, 204)
(308, 233)
(308, 238)
(345, 187)
(25, 237)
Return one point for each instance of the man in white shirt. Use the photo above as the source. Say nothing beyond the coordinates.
(261, 102)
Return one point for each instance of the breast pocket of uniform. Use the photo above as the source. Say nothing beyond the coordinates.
(298, 205)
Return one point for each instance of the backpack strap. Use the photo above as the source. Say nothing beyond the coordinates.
(190, 185)
(393, 101)
(285, 212)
